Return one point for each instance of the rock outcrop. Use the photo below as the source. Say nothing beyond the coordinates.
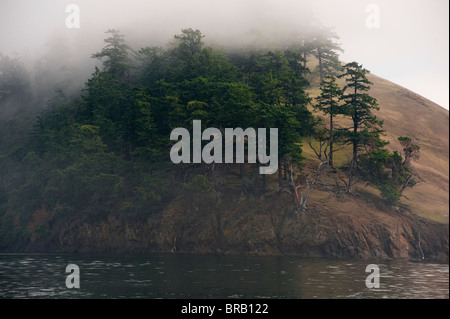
(248, 226)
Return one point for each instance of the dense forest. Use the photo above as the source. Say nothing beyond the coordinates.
(105, 150)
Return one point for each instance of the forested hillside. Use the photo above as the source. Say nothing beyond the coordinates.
(91, 171)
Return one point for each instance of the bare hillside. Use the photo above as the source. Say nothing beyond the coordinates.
(406, 113)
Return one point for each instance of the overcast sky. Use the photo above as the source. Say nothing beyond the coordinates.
(404, 41)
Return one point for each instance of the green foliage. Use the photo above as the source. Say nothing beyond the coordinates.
(391, 192)
(324, 47)
(359, 105)
(116, 54)
(107, 152)
(328, 102)
(374, 165)
(391, 172)
(199, 183)
(411, 151)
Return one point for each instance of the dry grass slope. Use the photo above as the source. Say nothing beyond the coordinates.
(406, 113)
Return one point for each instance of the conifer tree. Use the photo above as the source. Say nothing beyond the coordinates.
(325, 49)
(359, 105)
(116, 52)
(328, 102)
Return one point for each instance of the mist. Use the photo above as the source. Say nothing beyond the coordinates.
(408, 47)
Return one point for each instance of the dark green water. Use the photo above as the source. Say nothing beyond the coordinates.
(181, 276)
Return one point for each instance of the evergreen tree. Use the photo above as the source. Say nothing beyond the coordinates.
(102, 106)
(116, 53)
(325, 49)
(153, 65)
(189, 58)
(359, 105)
(294, 82)
(15, 86)
(278, 84)
(404, 173)
(328, 102)
(17, 107)
(392, 173)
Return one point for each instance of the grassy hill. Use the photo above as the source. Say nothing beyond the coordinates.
(406, 113)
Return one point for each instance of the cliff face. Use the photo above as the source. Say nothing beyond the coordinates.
(274, 227)
(266, 226)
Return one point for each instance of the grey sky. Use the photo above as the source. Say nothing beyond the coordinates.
(410, 47)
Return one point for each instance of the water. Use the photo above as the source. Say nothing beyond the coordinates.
(182, 277)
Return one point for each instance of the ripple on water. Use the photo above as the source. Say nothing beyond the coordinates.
(184, 276)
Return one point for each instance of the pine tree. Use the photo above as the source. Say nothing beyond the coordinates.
(326, 51)
(359, 105)
(328, 102)
(116, 52)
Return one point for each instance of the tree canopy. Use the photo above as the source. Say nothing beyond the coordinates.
(108, 148)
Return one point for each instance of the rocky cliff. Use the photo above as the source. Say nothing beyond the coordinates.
(347, 227)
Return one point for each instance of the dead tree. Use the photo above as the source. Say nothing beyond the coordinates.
(321, 151)
(301, 197)
(320, 135)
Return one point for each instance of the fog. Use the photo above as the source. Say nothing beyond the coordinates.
(408, 44)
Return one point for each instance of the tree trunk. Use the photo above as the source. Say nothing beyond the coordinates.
(355, 149)
(405, 185)
(355, 133)
(309, 185)
(330, 158)
(280, 176)
(319, 54)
